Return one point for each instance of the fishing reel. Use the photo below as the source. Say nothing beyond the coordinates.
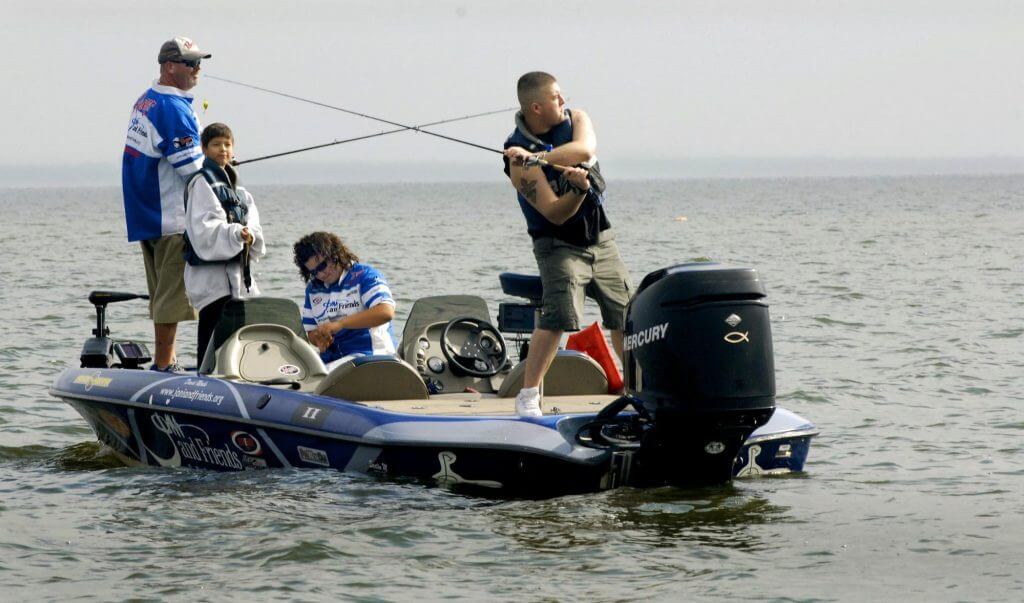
(100, 351)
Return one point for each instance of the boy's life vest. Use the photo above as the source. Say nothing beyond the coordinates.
(224, 183)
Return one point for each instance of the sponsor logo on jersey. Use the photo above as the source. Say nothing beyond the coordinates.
(183, 142)
(143, 105)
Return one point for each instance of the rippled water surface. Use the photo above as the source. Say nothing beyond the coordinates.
(898, 316)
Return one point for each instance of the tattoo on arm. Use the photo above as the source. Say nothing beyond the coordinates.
(528, 188)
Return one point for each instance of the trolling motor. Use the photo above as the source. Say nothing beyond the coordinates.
(99, 350)
(699, 371)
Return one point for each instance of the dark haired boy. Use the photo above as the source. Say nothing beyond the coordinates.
(223, 235)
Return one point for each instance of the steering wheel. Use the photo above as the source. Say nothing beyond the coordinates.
(482, 355)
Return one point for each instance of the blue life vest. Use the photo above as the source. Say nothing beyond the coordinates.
(585, 226)
(224, 182)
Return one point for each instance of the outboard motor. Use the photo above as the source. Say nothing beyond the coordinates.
(699, 367)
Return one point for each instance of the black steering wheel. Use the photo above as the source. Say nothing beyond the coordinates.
(482, 355)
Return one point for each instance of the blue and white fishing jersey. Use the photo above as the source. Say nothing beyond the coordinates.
(161, 151)
(360, 288)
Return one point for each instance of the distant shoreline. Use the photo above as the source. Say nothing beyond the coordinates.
(348, 172)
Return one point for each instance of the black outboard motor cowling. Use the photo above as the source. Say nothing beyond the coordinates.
(698, 358)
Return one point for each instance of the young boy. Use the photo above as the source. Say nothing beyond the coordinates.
(222, 234)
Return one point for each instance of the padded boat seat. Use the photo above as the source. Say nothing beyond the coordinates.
(373, 378)
(268, 352)
(522, 285)
(571, 373)
(238, 313)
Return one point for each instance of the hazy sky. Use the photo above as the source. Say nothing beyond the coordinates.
(663, 81)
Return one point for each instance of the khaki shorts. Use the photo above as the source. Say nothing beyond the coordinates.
(165, 278)
(568, 272)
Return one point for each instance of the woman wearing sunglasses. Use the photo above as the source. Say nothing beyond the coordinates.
(348, 307)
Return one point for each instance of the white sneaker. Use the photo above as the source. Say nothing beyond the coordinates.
(528, 402)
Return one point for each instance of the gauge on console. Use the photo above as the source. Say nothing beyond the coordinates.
(435, 364)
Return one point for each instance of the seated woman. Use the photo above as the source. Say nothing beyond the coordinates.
(348, 307)
(222, 234)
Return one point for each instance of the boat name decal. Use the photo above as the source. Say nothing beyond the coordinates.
(193, 443)
(646, 336)
(91, 381)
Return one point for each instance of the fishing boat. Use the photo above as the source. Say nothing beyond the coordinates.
(698, 405)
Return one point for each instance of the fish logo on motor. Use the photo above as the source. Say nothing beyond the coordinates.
(737, 337)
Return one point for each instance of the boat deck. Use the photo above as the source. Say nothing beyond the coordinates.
(471, 404)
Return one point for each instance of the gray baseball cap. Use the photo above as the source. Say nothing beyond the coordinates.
(181, 49)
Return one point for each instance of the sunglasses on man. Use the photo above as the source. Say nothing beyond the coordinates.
(190, 63)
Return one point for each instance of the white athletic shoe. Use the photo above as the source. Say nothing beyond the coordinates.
(528, 402)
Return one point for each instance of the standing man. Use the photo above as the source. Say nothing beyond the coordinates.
(564, 209)
(161, 152)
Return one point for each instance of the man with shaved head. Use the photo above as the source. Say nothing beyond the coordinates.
(551, 160)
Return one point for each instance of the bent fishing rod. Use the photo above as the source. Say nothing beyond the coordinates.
(383, 133)
(356, 113)
(400, 127)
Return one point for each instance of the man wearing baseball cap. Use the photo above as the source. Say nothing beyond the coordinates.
(162, 150)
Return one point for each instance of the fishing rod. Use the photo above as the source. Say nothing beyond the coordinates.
(400, 127)
(351, 112)
(383, 133)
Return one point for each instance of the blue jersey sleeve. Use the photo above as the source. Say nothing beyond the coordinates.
(308, 322)
(179, 133)
(373, 288)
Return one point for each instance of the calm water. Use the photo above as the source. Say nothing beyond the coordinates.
(898, 310)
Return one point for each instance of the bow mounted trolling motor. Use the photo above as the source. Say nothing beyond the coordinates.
(99, 350)
(699, 369)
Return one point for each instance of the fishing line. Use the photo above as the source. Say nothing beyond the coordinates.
(351, 112)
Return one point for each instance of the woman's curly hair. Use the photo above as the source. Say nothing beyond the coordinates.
(326, 245)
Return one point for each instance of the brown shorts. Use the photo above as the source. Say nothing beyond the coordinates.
(568, 272)
(165, 278)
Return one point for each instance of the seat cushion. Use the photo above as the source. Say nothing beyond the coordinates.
(571, 374)
(373, 378)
